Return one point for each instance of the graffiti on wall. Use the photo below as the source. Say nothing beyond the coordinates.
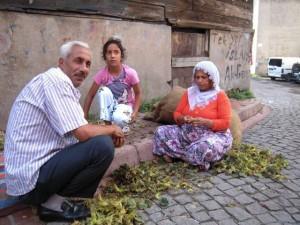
(236, 49)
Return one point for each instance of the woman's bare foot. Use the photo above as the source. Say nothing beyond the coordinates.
(168, 159)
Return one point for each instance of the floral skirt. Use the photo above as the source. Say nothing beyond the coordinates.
(196, 145)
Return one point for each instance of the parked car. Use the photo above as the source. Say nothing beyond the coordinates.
(281, 67)
(296, 72)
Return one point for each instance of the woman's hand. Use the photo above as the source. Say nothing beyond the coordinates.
(199, 121)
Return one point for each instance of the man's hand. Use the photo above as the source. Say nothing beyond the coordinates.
(118, 136)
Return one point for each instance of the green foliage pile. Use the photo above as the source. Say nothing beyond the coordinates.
(132, 188)
(148, 106)
(248, 160)
(240, 94)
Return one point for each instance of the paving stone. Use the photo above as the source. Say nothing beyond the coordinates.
(183, 199)
(297, 217)
(152, 223)
(244, 199)
(292, 209)
(209, 223)
(176, 210)
(214, 192)
(153, 209)
(201, 216)
(176, 191)
(296, 202)
(225, 200)
(255, 208)
(266, 218)
(143, 215)
(166, 222)
(248, 189)
(238, 213)
(158, 216)
(219, 214)
(217, 180)
(205, 185)
(227, 222)
(283, 202)
(250, 222)
(287, 193)
(169, 198)
(249, 180)
(201, 197)
(283, 216)
(224, 176)
(210, 205)
(270, 193)
(183, 220)
(260, 197)
(193, 207)
(259, 186)
(271, 205)
(233, 192)
(224, 186)
(236, 182)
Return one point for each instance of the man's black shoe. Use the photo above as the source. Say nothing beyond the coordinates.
(70, 211)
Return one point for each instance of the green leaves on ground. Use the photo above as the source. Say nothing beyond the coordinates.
(248, 160)
(134, 188)
(240, 94)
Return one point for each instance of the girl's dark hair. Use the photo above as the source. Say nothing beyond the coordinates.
(118, 42)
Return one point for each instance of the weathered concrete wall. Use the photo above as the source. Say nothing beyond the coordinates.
(231, 51)
(29, 44)
(278, 31)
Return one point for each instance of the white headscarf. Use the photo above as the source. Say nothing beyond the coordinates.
(195, 96)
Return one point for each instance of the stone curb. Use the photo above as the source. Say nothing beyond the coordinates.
(251, 111)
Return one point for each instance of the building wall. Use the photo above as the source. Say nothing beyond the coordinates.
(32, 31)
(231, 51)
(278, 31)
(29, 44)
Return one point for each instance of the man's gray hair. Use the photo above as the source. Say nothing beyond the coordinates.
(66, 48)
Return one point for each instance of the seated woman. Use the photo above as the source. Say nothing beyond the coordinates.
(114, 84)
(202, 134)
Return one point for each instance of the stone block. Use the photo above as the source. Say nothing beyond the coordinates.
(144, 150)
(125, 155)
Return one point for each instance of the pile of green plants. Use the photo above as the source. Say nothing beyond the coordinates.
(240, 94)
(248, 160)
(134, 188)
(148, 105)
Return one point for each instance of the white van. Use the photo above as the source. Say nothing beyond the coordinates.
(281, 67)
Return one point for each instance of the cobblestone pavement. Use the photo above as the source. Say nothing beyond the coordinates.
(226, 200)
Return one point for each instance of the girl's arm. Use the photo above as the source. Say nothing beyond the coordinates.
(137, 103)
(89, 99)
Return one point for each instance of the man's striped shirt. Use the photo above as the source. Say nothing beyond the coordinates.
(39, 125)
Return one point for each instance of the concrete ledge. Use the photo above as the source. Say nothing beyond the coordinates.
(127, 154)
(250, 111)
(246, 108)
(250, 122)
